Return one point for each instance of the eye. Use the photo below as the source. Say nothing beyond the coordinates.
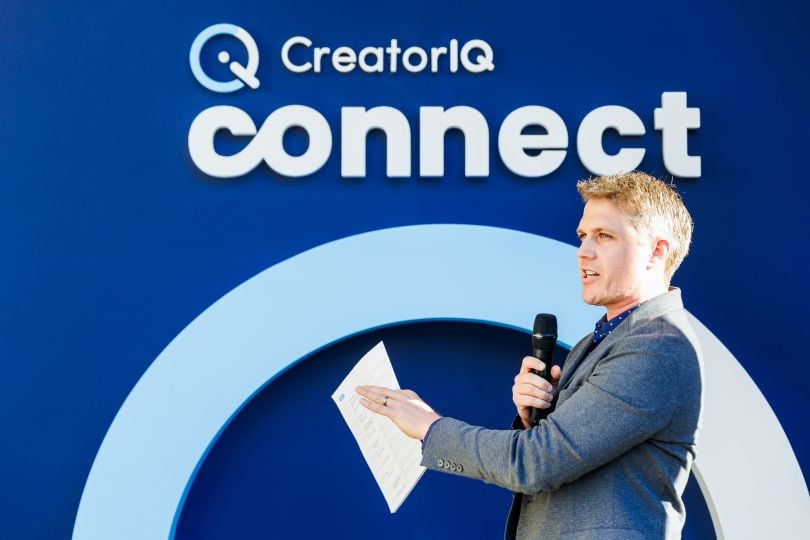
(580, 235)
(603, 236)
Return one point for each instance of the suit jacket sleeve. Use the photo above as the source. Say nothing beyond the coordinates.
(627, 399)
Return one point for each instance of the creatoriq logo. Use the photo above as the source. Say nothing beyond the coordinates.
(525, 154)
(245, 75)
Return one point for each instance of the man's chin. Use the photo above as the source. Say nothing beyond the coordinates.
(590, 299)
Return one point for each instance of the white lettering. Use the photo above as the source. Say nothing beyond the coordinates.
(524, 153)
(201, 142)
(410, 66)
(267, 144)
(589, 140)
(356, 122)
(475, 56)
(512, 143)
(674, 119)
(393, 51)
(377, 53)
(435, 54)
(484, 60)
(343, 59)
(320, 52)
(434, 122)
(453, 55)
(320, 140)
(285, 54)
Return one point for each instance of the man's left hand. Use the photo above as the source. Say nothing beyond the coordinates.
(403, 407)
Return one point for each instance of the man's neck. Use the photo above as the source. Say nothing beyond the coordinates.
(614, 311)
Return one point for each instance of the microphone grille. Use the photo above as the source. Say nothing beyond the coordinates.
(545, 324)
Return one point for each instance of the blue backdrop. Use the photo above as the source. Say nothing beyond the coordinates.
(114, 241)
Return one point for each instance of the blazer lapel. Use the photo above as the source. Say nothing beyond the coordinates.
(579, 353)
(573, 360)
(650, 309)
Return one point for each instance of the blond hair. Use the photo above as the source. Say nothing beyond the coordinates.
(653, 207)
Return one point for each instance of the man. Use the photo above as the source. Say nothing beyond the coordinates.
(612, 459)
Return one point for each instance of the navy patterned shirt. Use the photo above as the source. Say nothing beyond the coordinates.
(605, 327)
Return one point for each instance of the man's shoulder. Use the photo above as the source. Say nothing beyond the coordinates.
(666, 345)
(667, 335)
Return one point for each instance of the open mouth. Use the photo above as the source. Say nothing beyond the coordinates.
(588, 274)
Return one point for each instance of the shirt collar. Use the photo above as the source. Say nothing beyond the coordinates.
(604, 327)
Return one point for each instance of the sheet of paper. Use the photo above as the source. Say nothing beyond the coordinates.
(392, 456)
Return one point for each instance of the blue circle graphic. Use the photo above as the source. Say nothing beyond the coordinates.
(200, 382)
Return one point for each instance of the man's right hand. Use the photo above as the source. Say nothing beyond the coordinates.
(531, 390)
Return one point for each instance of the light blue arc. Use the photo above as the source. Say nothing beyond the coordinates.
(194, 58)
(175, 413)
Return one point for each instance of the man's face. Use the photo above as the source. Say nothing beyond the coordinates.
(613, 258)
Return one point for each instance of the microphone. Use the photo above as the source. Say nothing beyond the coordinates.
(544, 338)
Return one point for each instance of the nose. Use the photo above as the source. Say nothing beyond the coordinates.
(585, 249)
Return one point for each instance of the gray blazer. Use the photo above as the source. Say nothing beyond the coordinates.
(612, 460)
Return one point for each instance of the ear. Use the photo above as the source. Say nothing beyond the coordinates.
(660, 253)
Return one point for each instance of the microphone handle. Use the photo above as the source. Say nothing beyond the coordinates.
(544, 355)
